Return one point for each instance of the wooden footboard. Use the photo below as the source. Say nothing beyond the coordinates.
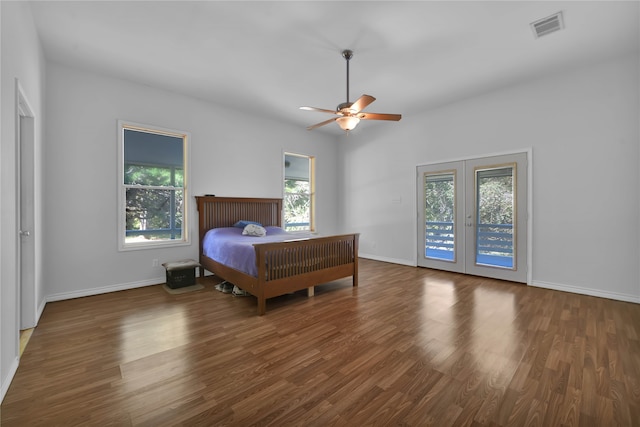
(305, 256)
(294, 265)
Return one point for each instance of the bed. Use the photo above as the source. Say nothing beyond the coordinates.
(282, 267)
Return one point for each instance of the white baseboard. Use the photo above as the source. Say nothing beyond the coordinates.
(386, 259)
(6, 382)
(536, 283)
(586, 291)
(105, 289)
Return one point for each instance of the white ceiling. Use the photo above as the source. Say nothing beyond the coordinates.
(268, 58)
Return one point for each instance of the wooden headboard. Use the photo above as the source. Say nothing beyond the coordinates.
(214, 212)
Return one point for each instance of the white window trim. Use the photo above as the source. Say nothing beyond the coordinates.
(186, 240)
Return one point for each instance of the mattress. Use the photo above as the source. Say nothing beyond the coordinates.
(228, 246)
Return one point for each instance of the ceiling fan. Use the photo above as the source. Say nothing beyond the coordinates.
(350, 113)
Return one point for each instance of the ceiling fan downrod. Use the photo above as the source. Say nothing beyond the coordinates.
(346, 54)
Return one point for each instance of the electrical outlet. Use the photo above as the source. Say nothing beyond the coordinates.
(155, 263)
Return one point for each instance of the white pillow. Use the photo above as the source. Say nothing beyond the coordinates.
(254, 230)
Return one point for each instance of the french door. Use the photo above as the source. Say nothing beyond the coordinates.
(472, 216)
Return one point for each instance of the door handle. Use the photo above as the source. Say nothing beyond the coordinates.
(24, 233)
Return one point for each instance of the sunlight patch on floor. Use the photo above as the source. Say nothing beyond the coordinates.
(24, 339)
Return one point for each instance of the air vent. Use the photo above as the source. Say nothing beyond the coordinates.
(547, 25)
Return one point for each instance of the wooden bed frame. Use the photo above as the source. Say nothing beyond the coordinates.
(283, 267)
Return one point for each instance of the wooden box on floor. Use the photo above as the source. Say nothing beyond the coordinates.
(181, 273)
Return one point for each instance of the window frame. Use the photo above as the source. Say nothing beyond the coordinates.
(312, 191)
(122, 187)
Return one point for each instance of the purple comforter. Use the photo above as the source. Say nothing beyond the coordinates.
(228, 246)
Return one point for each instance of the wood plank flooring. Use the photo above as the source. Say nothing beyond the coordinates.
(409, 346)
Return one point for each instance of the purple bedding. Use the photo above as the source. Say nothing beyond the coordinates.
(228, 246)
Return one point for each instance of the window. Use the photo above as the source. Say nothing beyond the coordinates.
(152, 186)
(440, 211)
(299, 192)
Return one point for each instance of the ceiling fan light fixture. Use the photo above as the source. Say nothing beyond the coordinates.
(347, 123)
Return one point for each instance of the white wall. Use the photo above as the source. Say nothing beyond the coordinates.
(22, 58)
(232, 154)
(583, 128)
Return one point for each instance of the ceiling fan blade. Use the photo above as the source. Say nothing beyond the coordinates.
(317, 125)
(361, 103)
(322, 110)
(379, 116)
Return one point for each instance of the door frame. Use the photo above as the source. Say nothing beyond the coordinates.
(25, 253)
(529, 211)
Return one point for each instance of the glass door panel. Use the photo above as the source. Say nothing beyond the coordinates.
(495, 209)
(439, 213)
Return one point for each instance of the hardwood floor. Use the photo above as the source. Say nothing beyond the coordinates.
(409, 346)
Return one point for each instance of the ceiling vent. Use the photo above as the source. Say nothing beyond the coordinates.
(547, 25)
